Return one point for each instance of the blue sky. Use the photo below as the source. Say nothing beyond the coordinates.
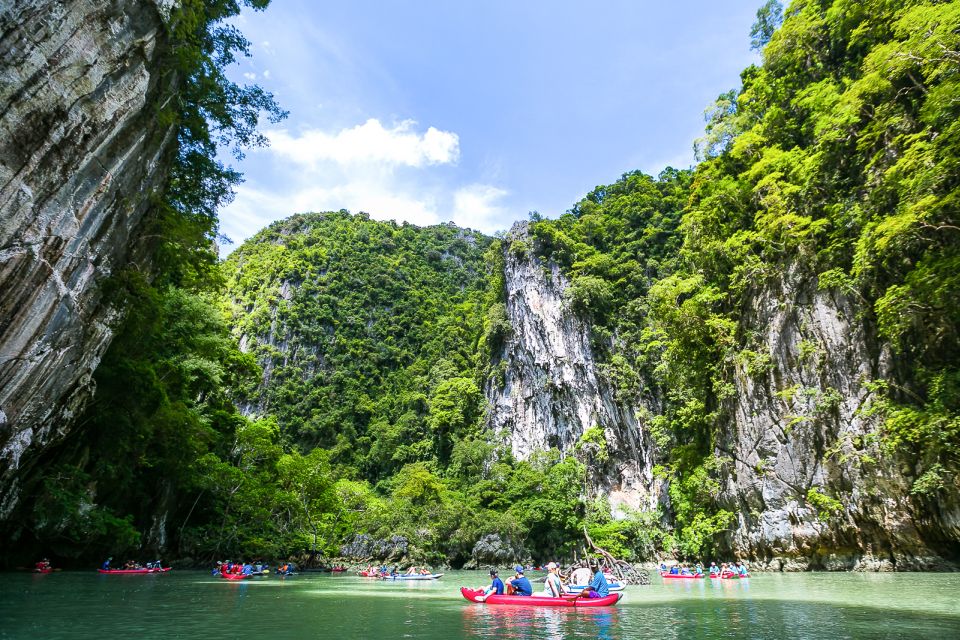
(476, 112)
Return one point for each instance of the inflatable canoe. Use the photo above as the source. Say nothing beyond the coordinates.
(674, 576)
(728, 575)
(236, 576)
(413, 576)
(541, 601)
(130, 571)
(368, 574)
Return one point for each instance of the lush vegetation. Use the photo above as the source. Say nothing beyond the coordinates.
(162, 401)
(367, 344)
(836, 159)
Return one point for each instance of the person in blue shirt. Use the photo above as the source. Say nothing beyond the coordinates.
(598, 588)
(519, 583)
(496, 586)
(714, 569)
(106, 565)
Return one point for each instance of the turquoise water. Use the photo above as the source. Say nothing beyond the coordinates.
(189, 604)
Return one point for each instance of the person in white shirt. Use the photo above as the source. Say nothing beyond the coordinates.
(552, 587)
(581, 576)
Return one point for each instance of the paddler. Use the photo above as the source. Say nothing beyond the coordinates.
(598, 588)
(519, 585)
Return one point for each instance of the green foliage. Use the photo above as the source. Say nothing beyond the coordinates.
(769, 18)
(824, 504)
(593, 445)
(368, 331)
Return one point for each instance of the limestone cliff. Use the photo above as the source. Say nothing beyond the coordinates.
(800, 422)
(797, 422)
(80, 150)
(552, 391)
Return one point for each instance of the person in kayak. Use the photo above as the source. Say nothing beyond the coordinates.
(552, 587)
(496, 585)
(714, 569)
(742, 569)
(598, 588)
(519, 585)
(580, 575)
(106, 564)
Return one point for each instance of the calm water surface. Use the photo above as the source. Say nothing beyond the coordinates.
(185, 604)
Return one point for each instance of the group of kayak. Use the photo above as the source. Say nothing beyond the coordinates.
(725, 571)
(133, 567)
(243, 570)
(412, 573)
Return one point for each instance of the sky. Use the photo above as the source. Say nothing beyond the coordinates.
(476, 112)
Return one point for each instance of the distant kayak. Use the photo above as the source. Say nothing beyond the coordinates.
(236, 576)
(133, 571)
(728, 575)
(674, 576)
(541, 601)
(413, 576)
(369, 574)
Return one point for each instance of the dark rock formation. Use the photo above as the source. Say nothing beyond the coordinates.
(365, 547)
(81, 149)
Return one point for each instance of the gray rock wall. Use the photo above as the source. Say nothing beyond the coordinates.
(796, 423)
(80, 150)
(551, 392)
(799, 424)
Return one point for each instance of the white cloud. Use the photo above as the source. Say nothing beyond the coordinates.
(476, 203)
(370, 142)
(388, 172)
(250, 76)
(266, 74)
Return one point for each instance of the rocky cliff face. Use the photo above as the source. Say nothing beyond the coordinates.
(796, 424)
(80, 150)
(551, 391)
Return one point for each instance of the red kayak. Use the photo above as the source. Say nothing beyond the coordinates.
(368, 574)
(542, 601)
(727, 575)
(236, 576)
(676, 576)
(118, 571)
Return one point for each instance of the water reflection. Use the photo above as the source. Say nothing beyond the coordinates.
(541, 622)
